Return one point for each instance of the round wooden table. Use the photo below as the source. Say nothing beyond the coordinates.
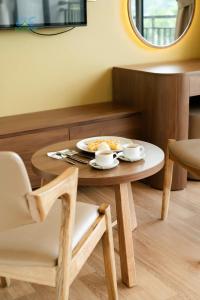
(120, 178)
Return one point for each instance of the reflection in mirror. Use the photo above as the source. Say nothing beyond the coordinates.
(161, 22)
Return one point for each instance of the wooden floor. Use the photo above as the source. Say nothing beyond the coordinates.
(167, 253)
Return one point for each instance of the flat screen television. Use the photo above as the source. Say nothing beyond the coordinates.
(42, 13)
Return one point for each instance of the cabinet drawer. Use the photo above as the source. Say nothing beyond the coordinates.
(195, 84)
(127, 127)
(25, 145)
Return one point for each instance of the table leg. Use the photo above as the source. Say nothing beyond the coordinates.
(132, 208)
(126, 250)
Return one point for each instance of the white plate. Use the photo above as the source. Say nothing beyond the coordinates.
(93, 164)
(122, 157)
(82, 145)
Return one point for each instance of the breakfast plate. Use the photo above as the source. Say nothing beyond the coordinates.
(91, 144)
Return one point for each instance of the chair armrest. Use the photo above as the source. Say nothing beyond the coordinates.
(41, 200)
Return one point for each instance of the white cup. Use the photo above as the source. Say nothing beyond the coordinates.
(133, 151)
(105, 158)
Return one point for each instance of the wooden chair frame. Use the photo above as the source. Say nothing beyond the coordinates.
(170, 159)
(64, 189)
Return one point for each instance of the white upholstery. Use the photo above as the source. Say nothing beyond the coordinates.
(37, 244)
(86, 214)
(14, 185)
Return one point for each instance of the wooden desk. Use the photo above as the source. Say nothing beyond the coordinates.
(161, 92)
(120, 178)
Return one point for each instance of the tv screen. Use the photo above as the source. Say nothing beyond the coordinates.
(42, 13)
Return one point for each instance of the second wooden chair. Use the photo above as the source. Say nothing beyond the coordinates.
(187, 154)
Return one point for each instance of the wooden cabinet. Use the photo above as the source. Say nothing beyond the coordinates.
(27, 133)
(162, 93)
(127, 127)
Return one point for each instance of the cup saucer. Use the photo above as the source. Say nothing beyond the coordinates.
(122, 157)
(93, 164)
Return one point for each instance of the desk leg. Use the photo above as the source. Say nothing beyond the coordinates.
(126, 250)
(132, 208)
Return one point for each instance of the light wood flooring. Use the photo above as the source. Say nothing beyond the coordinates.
(167, 253)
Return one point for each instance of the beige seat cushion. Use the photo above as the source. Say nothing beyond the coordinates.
(194, 123)
(187, 152)
(37, 244)
(194, 130)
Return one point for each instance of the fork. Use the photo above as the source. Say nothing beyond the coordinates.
(65, 158)
(70, 154)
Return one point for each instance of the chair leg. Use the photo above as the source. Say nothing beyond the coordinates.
(168, 173)
(109, 257)
(62, 290)
(4, 282)
(64, 261)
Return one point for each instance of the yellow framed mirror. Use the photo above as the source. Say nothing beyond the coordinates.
(161, 23)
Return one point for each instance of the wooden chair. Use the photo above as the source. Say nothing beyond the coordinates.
(187, 154)
(45, 235)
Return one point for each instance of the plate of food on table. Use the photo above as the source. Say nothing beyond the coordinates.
(94, 144)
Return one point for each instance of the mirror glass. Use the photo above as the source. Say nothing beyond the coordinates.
(161, 22)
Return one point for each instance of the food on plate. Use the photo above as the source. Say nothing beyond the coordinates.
(103, 146)
(94, 145)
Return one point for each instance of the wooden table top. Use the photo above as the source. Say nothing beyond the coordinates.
(175, 67)
(48, 168)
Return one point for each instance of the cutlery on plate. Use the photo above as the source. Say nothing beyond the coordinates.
(71, 154)
(68, 155)
(69, 161)
(84, 155)
(66, 158)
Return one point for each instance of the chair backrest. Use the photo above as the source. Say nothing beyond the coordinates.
(14, 185)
